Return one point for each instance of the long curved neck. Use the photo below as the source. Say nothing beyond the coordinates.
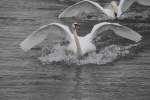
(115, 8)
(79, 51)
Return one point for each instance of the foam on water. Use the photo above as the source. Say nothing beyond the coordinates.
(103, 56)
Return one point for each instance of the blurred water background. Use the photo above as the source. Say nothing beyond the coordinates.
(122, 75)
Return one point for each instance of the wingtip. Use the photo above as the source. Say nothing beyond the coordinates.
(23, 47)
(140, 38)
(63, 14)
(60, 16)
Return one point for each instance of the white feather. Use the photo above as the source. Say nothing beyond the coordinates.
(88, 7)
(144, 2)
(55, 30)
(85, 42)
(125, 4)
(118, 29)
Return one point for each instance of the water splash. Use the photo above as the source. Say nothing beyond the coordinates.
(103, 56)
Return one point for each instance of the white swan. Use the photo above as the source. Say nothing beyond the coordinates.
(88, 7)
(78, 45)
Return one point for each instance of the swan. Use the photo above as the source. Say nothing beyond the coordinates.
(88, 7)
(77, 45)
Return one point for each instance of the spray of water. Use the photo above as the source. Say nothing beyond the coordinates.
(103, 56)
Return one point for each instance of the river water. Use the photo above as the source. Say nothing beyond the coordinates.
(119, 71)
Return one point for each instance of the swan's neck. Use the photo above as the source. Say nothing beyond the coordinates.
(114, 8)
(79, 51)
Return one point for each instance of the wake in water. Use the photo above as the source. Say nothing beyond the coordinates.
(103, 56)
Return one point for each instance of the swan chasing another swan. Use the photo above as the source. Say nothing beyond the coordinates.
(88, 7)
(78, 45)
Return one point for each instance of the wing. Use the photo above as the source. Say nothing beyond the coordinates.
(118, 29)
(124, 5)
(55, 30)
(82, 8)
(144, 2)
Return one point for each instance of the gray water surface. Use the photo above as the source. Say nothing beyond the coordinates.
(24, 77)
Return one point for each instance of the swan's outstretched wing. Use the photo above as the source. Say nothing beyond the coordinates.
(123, 6)
(144, 2)
(55, 30)
(118, 29)
(82, 8)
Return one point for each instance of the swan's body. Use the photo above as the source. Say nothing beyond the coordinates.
(78, 45)
(88, 7)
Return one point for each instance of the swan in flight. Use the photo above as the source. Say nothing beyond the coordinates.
(91, 8)
(76, 44)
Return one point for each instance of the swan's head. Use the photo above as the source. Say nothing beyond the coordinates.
(76, 27)
(114, 7)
